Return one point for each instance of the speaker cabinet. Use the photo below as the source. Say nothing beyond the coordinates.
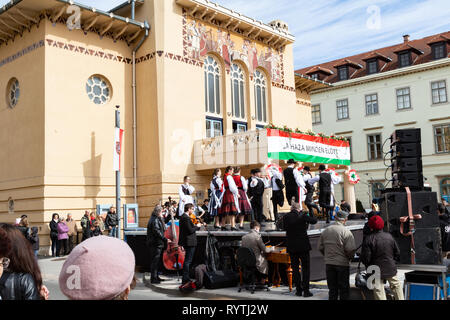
(406, 136)
(407, 150)
(400, 164)
(427, 246)
(407, 179)
(395, 205)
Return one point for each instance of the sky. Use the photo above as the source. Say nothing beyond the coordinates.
(326, 30)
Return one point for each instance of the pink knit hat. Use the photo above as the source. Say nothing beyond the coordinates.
(100, 268)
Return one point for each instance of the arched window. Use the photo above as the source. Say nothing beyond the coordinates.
(212, 86)
(260, 96)
(237, 91)
(445, 189)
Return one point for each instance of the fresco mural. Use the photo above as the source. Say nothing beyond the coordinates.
(200, 38)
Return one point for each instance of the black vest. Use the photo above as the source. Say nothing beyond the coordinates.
(309, 187)
(289, 178)
(325, 182)
(185, 190)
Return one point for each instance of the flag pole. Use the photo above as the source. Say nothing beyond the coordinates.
(118, 200)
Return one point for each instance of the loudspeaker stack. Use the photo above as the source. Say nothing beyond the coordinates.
(407, 171)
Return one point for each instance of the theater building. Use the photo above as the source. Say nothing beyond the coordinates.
(372, 94)
(184, 73)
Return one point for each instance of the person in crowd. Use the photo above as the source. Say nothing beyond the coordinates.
(309, 201)
(21, 278)
(5, 249)
(345, 206)
(92, 216)
(380, 249)
(245, 208)
(295, 184)
(326, 182)
(35, 240)
(375, 206)
(63, 237)
(54, 235)
(276, 183)
(185, 192)
(24, 227)
(255, 194)
(253, 241)
(217, 191)
(337, 244)
(111, 222)
(106, 268)
(95, 229)
(206, 216)
(366, 229)
(73, 232)
(188, 239)
(296, 224)
(229, 208)
(444, 223)
(101, 223)
(86, 226)
(156, 241)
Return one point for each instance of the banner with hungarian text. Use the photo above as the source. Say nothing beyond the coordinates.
(283, 145)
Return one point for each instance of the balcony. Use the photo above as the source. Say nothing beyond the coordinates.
(240, 149)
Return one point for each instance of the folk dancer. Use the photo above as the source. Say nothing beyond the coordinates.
(276, 183)
(309, 192)
(185, 192)
(295, 185)
(245, 208)
(229, 208)
(217, 192)
(255, 193)
(326, 190)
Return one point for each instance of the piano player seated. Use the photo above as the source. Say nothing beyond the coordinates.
(253, 241)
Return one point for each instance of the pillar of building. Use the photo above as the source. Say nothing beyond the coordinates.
(349, 192)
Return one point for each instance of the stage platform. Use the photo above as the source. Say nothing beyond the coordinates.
(229, 241)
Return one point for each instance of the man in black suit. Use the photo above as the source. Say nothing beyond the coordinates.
(188, 239)
(296, 224)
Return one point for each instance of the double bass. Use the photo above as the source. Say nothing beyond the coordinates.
(173, 256)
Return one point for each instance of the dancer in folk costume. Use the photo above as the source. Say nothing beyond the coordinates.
(245, 207)
(295, 185)
(276, 183)
(327, 180)
(230, 201)
(185, 192)
(217, 192)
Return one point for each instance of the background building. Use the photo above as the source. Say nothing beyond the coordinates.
(181, 71)
(377, 92)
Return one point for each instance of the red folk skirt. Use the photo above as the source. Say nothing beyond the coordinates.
(244, 205)
(228, 207)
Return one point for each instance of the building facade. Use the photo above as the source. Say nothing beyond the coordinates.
(181, 71)
(375, 93)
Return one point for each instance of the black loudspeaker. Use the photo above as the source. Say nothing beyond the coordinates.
(395, 205)
(407, 179)
(406, 136)
(406, 165)
(427, 237)
(407, 150)
(427, 244)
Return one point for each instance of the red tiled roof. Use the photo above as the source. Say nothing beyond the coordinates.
(422, 45)
(319, 69)
(375, 54)
(347, 62)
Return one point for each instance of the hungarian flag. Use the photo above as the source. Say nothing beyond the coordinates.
(117, 148)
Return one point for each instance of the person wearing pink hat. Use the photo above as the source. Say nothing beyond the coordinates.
(380, 249)
(100, 268)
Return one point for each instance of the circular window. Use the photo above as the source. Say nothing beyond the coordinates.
(98, 89)
(13, 92)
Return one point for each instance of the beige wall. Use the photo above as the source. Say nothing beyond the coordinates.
(61, 158)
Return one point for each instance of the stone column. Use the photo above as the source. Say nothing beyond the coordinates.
(349, 192)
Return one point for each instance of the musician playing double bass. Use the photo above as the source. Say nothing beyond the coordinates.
(156, 241)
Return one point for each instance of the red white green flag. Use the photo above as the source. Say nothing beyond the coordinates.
(283, 145)
(118, 137)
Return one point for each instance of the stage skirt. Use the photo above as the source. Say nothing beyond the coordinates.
(214, 204)
(228, 207)
(244, 204)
